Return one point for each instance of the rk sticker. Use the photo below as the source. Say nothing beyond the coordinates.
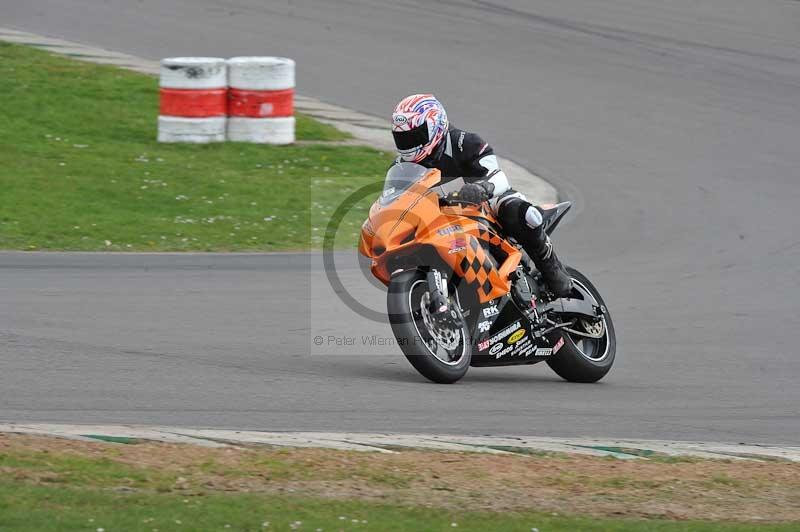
(488, 312)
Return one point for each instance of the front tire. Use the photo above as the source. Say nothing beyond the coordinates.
(583, 359)
(440, 355)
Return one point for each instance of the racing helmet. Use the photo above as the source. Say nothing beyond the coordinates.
(419, 123)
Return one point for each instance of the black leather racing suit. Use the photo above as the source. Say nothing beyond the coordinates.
(467, 155)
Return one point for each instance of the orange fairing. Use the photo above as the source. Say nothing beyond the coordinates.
(415, 219)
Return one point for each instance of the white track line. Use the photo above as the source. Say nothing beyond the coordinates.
(389, 443)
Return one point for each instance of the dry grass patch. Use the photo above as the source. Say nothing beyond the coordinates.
(685, 489)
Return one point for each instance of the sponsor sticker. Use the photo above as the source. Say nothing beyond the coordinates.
(367, 226)
(516, 337)
(458, 245)
(438, 278)
(544, 352)
(558, 345)
(483, 345)
(527, 350)
(490, 311)
(505, 332)
(524, 347)
(449, 230)
(484, 326)
(495, 350)
(399, 120)
(502, 352)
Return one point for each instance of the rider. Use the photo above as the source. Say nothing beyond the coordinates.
(424, 136)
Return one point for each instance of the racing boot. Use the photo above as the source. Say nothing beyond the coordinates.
(538, 245)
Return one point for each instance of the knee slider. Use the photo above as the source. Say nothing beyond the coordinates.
(533, 217)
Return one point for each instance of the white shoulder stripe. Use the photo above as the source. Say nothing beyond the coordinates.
(489, 162)
(448, 149)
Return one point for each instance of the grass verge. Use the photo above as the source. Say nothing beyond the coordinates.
(80, 170)
(52, 484)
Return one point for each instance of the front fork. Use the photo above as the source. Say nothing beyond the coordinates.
(437, 287)
(443, 312)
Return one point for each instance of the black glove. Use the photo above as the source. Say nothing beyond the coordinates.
(476, 192)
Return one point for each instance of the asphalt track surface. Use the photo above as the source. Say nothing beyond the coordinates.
(675, 126)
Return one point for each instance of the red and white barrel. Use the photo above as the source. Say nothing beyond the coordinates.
(194, 100)
(261, 100)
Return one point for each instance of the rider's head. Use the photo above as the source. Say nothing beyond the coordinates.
(419, 124)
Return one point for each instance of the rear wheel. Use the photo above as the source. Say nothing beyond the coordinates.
(439, 349)
(588, 352)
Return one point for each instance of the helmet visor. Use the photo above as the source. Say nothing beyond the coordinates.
(413, 138)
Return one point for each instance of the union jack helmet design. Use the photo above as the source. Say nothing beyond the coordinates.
(419, 123)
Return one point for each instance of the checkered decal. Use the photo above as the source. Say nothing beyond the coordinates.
(484, 233)
(477, 265)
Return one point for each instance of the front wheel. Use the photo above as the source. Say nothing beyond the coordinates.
(586, 357)
(440, 350)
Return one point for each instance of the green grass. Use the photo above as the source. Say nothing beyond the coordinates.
(82, 471)
(60, 508)
(110, 488)
(80, 170)
(310, 129)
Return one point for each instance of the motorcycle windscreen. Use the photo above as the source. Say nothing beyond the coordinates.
(399, 178)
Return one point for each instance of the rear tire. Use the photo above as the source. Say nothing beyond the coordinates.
(414, 337)
(585, 360)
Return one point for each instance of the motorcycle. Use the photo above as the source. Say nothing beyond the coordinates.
(461, 294)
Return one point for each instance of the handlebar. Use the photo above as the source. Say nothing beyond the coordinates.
(451, 200)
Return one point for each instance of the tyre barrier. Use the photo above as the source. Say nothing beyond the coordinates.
(194, 73)
(261, 73)
(191, 130)
(260, 104)
(194, 104)
(279, 131)
(193, 100)
(261, 100)
(243, 99)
